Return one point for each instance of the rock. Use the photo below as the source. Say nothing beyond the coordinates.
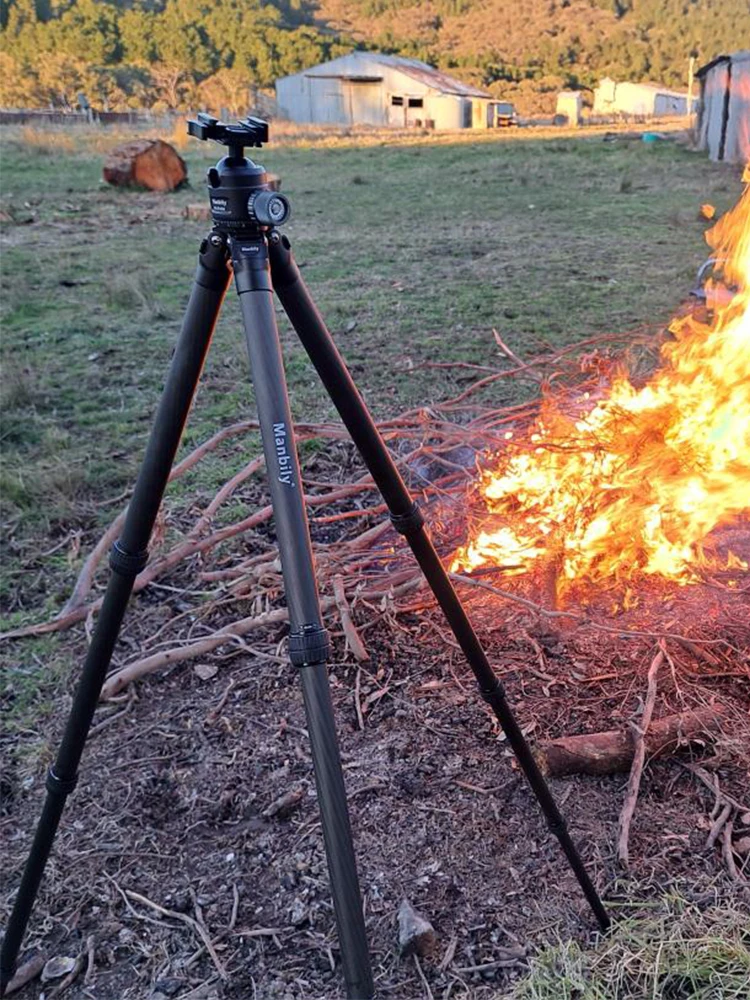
(298, 914)
(415, 933)
(58, 966)
(25, 973)
(168, 987)
(206, 670)
(148, 163)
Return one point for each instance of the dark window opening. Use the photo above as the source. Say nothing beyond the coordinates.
(397, 102)
(416, 102)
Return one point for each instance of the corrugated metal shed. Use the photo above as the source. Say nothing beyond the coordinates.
(370, 88)
(643, 100)
(724, 115)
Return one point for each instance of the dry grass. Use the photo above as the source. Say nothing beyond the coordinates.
(56, 138)
(682, 952)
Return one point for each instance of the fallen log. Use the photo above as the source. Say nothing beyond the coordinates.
(612, 752)
(148, 163)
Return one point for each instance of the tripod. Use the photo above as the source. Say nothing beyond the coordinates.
(245, 215)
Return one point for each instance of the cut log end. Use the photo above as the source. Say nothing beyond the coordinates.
(148, 163)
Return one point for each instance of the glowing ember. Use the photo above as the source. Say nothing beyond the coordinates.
(634, 483)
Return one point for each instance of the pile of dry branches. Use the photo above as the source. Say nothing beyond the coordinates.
(215, 567)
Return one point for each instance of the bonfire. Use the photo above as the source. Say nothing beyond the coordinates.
(630, 480)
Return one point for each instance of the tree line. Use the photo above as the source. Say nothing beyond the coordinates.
(159, 54)
(166, 54)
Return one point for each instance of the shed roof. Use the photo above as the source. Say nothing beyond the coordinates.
(427, 75)
(654, 88)
(743, 55)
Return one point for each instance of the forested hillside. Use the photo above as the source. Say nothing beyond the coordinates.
(526, 49)
(171, 53)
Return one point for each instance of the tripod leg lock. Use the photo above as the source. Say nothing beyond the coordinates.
(61, 787)
(410, 523)
(126, 563)
(309, 644)
(493, 693)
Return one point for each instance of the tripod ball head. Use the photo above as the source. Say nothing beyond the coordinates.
(242, 201)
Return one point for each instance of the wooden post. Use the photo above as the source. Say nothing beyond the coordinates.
(691, 76)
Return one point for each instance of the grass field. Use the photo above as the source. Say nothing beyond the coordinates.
(413, 252)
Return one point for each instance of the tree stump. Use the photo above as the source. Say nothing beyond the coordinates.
(148, 163)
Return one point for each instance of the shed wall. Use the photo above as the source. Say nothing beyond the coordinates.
(668, 104)
(359, 89)
(737, 141)
(713, 90)
(570, 104)
(724, 124)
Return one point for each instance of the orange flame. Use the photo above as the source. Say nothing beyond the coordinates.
(635, 484)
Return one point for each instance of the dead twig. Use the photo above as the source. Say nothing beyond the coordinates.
(471, 581)
(639, 757)
(428, 992)
(358, 699)
(199, 929)
(350, 630)
(728, 853)
(90, 958)
(168, 657)
(718, 825)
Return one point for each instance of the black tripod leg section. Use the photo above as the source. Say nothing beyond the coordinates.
(308, 640)
(127, 559)
(407, 519)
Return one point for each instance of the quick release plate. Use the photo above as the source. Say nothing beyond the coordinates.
(248, 131)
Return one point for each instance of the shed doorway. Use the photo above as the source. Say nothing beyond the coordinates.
(397, 111)
(405, 111)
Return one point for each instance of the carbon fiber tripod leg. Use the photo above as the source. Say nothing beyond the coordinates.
(308, 639)
(407, 519)
(128, 557)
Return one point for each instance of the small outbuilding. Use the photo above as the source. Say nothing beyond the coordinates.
(569, 106)
(639, 100)
(724, 110)
(369, 88)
